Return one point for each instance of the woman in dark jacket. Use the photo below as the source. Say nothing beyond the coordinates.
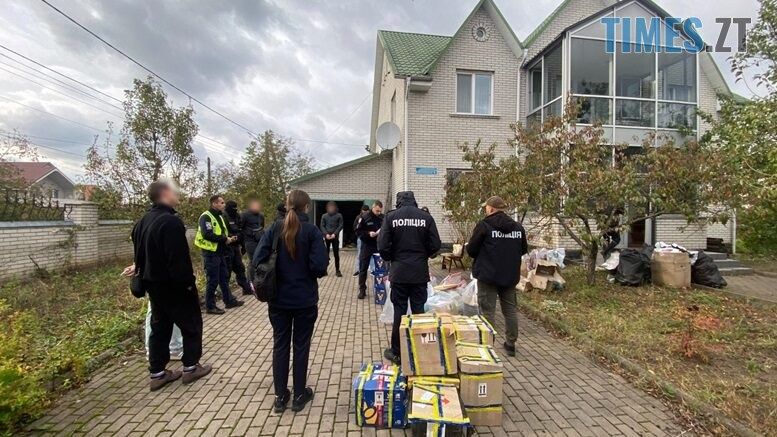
(300, 262)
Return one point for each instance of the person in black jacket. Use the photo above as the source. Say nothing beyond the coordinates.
(236, 248)
(408, 238)
(498, 242)
(301, 260)
(331, 225)
(161, 255)
(367, 231)
(253, 228)
(356, 222)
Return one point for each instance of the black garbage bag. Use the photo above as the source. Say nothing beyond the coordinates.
(634, 268)
(705, 272)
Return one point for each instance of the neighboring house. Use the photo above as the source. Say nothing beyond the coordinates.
(443, 91)
(45, 177)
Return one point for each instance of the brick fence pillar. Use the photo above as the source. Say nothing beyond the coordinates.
(85, 240)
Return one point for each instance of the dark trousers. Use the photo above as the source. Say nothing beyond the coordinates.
(611, 241)
(179, 305)
(291, 327)
(487, 295)
(364, 264)
(400, 295)
(237, 267)
(217, 275)
(335, 245)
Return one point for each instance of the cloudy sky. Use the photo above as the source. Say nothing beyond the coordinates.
(301, 68)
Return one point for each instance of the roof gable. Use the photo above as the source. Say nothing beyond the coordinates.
(346, 164)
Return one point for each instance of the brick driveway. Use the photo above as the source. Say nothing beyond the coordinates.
(550, 387)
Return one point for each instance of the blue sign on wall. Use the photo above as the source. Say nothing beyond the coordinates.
(427, 171)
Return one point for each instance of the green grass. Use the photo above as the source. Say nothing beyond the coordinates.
(52, 327)
(733, 348)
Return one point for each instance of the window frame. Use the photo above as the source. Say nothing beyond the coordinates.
(473, 75)
(541, 109)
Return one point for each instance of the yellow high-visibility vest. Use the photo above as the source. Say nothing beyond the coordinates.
(219, 227)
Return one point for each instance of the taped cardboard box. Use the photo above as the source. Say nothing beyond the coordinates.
(381, 397)
(474, 329)
(533, 281)
(481, 374)
(427, 345)
(437, 408)
(446, 380)
(671, 269)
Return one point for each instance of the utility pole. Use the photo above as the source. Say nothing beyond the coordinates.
(210, 186)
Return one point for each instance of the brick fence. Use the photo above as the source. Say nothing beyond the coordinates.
(82, 239)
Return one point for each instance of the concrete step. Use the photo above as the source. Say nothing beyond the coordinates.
(728, 263)
(716, 255)
(736, 271)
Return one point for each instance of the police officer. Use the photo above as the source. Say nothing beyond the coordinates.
(236, 248)
(213, 237)
(367, 231)
(407, 239)
(497, 244)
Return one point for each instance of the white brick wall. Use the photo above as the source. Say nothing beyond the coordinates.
(675, 229)
(365, 180)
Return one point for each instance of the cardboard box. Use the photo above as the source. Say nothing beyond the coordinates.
(438, 406)
(481, 374)
(475, 329)
(380, 264)
(671, 269)
(379, 287)
(381, 398)
(446, 380)
(485, 416)
(427, 345)
(541, 282)
(545, 268)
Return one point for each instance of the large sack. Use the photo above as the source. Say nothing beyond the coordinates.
(705, 272)
(633, 268)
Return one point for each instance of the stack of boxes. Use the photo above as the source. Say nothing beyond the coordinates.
(381, 396)
(480, 371)
(380, 277)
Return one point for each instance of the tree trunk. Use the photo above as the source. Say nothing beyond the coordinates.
(591, 263)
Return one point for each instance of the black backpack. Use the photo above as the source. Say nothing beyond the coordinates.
(265, 282)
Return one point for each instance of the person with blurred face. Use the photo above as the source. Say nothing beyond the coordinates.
(214, 239)
(368, 231)
(253, 227)
(331, 225)
(162, 261)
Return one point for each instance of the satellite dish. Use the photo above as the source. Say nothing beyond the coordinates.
(388, 135)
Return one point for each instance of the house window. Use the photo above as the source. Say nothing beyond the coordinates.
(474, 93)
(545, 87)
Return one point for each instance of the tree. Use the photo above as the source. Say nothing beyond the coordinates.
(745, 132)
(155, 141)
(14, 146)
(564, 176)
(269, 163)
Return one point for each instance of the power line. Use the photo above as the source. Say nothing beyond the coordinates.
(42, 146)
(50, 114)
(58, 140)
(149, 70)
(61, 92)
(61, 74)
(348, 118)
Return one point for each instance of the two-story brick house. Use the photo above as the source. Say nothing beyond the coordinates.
(443, 91)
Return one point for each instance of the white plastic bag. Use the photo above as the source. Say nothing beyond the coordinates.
(387, 316)
(443, 303)
(556, 256)
(469, 299)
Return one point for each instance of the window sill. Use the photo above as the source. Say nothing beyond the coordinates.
(465, 115)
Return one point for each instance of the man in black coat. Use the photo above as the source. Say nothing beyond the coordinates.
(236, 248)
(253, 227)
(367, 231)
(162, 260)
(407, 239)
(498, 242)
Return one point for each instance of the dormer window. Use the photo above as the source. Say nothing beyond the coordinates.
(474, 91)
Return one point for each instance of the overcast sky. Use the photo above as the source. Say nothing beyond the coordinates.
(301, 68)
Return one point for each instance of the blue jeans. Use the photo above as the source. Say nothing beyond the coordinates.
(217, 274)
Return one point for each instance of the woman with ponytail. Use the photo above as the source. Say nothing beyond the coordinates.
(301, 260)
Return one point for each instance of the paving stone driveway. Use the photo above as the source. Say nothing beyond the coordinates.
(550, 387)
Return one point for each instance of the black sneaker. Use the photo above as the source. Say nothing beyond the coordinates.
(391, 356)
(215, 310)
(356, 273)
(338, 274)
(279, 406)
(299, 401)
(234, 304)
(510, 349)
(362, 294)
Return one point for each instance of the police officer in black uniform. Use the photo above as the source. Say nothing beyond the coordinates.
(407, 239)
(367, 230)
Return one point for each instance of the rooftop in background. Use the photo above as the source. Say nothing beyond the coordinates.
(32, 172)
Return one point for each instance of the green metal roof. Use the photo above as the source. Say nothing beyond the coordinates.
(412, 54)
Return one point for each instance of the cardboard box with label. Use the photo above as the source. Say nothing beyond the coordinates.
(379, 287)
(381, 398)
(474, 329)
(481, 375)
(671, 269)
(437, 407)
(427, 345)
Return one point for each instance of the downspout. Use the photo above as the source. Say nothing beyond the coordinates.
(407, 149)
(518, 115)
